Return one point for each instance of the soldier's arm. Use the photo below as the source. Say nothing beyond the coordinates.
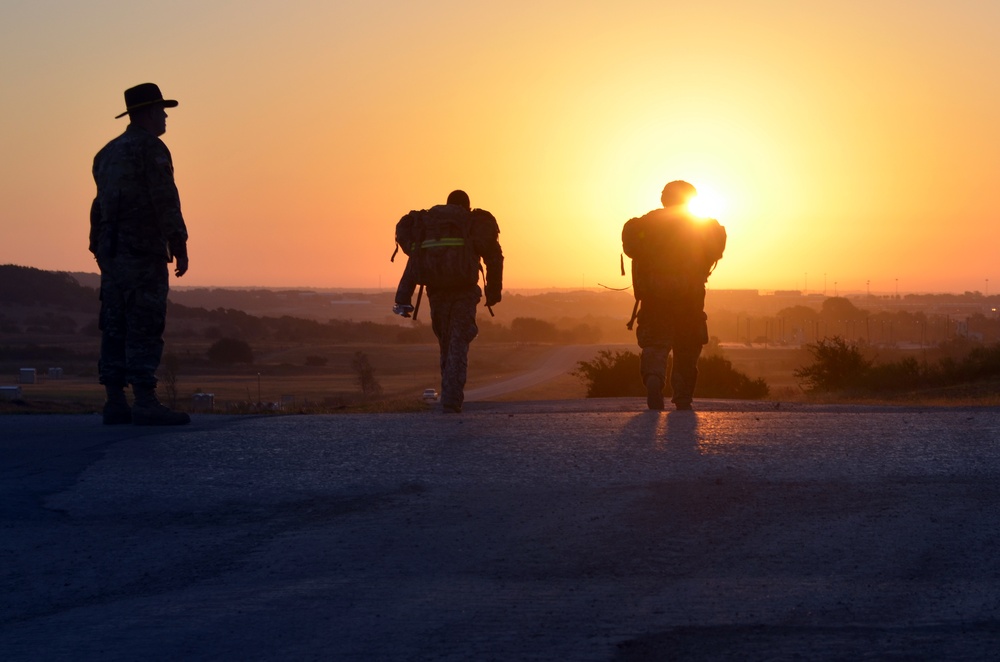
(95, 222)
(166, 200)
(486, 238)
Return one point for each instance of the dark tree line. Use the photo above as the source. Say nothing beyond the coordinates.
(30, 286)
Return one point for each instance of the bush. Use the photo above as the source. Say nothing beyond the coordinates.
(611, 375)
(718, 379)
(228, 351)
(838, 366)
(316, 361)
(894, 376)
(365, 374)
(619, 375)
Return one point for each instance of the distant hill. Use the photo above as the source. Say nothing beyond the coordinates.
(87, 279)
(29, 286)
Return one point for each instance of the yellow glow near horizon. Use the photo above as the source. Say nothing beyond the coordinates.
(708, 204)
(564, 119)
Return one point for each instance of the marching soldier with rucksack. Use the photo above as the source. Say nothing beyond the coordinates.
(447, 246)
(673, 253)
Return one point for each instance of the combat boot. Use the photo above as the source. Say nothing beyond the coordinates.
(147, 410)
(654, 392)
(116, 409)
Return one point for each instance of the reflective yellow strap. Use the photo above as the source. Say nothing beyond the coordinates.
(442, 242)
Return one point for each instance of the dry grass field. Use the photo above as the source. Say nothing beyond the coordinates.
(279, 374)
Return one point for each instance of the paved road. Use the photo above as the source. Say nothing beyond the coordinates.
(573, 530)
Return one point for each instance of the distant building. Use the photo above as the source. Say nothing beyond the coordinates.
(10, 392)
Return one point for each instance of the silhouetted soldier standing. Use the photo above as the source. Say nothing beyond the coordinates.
(673, 253)
(445, 244)
(136, 228)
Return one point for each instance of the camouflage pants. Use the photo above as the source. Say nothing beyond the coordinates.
(453, 318)
(133, 316)
(661, 329)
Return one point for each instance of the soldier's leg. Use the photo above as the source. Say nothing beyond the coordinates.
(687, 350)
(463, 331)
(441, 325)
(684, 374)
(114, 331)
(653, 336)
(146, 315)
(146, 312)
(111, 365)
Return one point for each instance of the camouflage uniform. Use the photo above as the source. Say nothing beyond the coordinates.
(671, 261)
(135, 228)
(452, 280)
(453, 318)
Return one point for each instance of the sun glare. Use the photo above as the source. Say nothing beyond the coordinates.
(707, 203)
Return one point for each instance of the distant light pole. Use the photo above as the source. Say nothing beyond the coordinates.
(868, 288)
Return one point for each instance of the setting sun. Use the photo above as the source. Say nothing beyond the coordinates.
(707, 204)
(808, 153)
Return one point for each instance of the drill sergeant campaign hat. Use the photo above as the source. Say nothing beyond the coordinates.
(146, 94)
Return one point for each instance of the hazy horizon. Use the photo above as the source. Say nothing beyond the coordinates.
(625, 283)
(845, 146)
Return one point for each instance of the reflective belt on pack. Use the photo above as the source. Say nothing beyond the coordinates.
(442, 242)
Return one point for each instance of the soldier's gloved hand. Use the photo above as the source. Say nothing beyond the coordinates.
(402, 309)
(180, 253)
(493, 296)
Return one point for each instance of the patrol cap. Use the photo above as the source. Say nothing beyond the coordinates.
(146, 94)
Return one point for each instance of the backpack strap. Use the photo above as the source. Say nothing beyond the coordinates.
(483, 272)
(420, 295)
(635, 314)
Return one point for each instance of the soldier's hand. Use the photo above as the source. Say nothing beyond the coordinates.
(178, 248)
(493, 296)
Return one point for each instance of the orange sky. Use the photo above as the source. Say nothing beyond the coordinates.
(850, 141)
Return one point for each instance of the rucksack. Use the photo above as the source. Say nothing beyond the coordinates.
(438, 241)
(672, 255)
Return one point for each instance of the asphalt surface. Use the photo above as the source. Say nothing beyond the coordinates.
(571, 530)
